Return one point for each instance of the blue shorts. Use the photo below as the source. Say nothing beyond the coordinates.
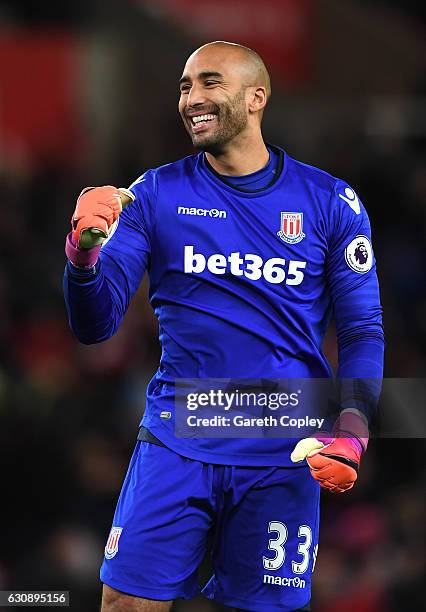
(262, 523)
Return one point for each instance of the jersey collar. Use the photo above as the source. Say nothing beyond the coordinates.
(208, 171)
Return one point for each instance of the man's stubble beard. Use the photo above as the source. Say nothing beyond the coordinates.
(232, 120)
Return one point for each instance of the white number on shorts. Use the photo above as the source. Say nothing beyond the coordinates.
(277, 545)
(303, 549)
(314, 555)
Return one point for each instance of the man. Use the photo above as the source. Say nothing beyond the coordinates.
(248, 251)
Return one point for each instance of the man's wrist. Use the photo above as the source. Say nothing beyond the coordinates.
(84, 259)
(352, 424)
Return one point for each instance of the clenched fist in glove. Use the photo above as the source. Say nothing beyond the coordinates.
(96, 211)
(334, 458)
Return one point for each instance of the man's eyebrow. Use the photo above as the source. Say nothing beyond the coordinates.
(210, 73)
(202, 75)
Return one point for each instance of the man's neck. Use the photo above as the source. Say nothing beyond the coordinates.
(240, 160)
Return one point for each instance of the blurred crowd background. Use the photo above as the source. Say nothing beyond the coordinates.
(88, 96)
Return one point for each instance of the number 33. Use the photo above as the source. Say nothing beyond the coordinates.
(277, 545)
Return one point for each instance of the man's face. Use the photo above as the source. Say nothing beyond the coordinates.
(212, 99)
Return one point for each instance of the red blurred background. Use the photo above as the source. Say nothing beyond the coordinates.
(88, 95)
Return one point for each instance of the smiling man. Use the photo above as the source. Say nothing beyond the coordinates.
(213, 106)
(249, 252)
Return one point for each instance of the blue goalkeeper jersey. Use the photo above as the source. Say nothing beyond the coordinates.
(243, 284)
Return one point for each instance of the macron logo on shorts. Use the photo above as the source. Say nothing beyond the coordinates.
(296, 583)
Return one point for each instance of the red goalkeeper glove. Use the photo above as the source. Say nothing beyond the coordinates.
(96, 211)
(334, 458)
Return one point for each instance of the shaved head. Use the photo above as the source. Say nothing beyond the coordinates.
(249, 61)
(223, 92)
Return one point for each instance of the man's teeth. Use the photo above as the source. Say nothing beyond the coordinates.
(199, 118)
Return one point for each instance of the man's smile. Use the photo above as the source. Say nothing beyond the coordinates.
(199, 121)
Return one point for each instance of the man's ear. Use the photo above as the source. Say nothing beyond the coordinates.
(257, 99)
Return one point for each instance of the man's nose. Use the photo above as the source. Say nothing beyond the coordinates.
(196, 96)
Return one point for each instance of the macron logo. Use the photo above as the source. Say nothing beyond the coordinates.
(202, 212)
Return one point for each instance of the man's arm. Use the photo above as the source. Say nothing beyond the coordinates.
(334, 457)
(98, 295)
(355, 295)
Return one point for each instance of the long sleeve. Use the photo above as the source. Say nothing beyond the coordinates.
(356, 302)
(97, 299)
